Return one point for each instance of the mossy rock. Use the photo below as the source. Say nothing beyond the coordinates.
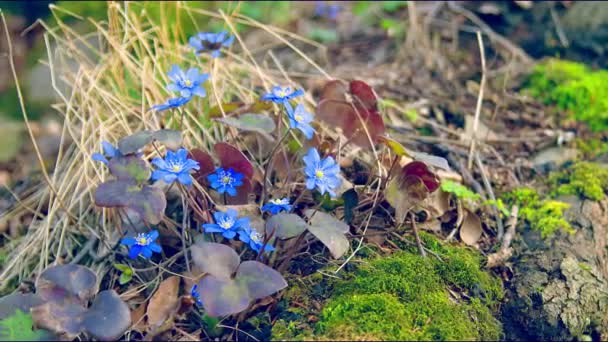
(400, 297)
(572, 87)
(559, 288)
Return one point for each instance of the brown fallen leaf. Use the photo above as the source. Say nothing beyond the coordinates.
(163, 303)
(471, 229)
(138, 319)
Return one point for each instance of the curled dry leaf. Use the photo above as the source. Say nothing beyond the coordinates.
(163, 303)
(471, 229)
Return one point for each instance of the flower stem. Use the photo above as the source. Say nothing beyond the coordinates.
(268, 163)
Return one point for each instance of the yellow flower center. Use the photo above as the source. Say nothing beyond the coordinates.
(176, 168)
(276, 201)
(298, 118)
(226, 180)
(226, 225)
(142, 241)
(282, 93)
(187, 83)
(319, 174)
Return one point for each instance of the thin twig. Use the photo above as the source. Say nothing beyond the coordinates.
(488, 186)
(418, 241)
(482, 86)
(505, 251)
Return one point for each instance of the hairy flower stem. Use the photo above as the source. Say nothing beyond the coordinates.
(291, 252)
(184, 224)
(269, 162)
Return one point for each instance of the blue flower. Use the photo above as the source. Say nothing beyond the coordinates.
(187, 83)
(225, 180)
(171, 103)
(109, 151)
(176, 165)
(195, 295)
(226, 223)
(301, 119)
(142, 244)
(324, 10)
(254, 239)
(321, 174)
(282, 95)
(277, 205)
(212, 42)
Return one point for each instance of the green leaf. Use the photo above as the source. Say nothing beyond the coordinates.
(125, 278)
(323, 35)
(126, 275)
(129, 168)
(18, 327)
(459, 190)
(250, 122)
(285, 226)
(392, 6)
(330, 231)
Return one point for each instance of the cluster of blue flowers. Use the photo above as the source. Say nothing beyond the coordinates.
(298, 118)
(190, 83)
(320, 174)
(229, 225)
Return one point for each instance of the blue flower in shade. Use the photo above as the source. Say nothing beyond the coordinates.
(277, 205)
(321, 174)
(187, 83)
(225, 180)
(227, 223)
(301, 119)
(195, 295)
(142, 244)
(176, 165)
(171, 103)
(212, 42)
(254, 239)
(282, 95)
(324, 10)
(109, 151)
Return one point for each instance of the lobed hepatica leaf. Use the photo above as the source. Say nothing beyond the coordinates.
(216, 259)
(56, 283)
(353, 109)
(232, 157)
(285, 226)
(129, 167)
(108, 317)
(260, 280)
(134, 142)
(225, 296)
(171, 138)
(251, 122)
(329, 231)
(147, 201)
(222, 297)
(18, 301)
(205, 162)
(60, 318)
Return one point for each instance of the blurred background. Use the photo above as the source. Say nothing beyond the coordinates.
(356, 32)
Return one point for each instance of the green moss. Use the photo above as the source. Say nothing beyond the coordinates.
(546, 216)
(572, 86)
(591, 148)
(405, 297)
(583, 179)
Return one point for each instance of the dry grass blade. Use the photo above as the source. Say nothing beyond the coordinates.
(106, 81)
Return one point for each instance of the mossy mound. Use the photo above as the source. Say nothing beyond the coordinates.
(402, 297)
(585, 179)
(573, 87)
(545, 216)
